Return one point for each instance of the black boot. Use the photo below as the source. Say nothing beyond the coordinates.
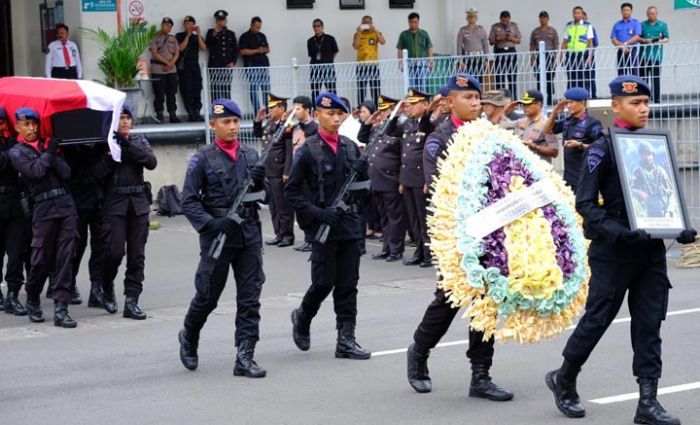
(417, 365)
(482, 386)
(96, 299)
(173, 117)
(188, 350)
(75, 298)
(132, 310)
(347, 347)
(562, 382)
(649, 410)
(245, 365)
(34, 311)
(61, 317)
(301, 333)
(13, 305)
(109, 299)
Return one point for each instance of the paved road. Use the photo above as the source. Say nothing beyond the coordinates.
(112, 369)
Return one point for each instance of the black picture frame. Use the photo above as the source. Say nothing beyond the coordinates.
(351, 4)
(648, 171)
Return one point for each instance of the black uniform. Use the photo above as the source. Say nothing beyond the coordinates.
(617, 268)
(13, 222)
(126, 208)
(278, 164)
(587, 130)
(309, 128)
(335, 265)
(440, 313)
(54, 218)
(209, 190)
(384, 168)
(223, 50)
(190, 75)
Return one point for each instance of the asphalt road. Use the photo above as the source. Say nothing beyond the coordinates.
(112, 369)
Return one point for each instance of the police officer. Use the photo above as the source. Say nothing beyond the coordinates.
(549, 36)
(215, 175)
(530, 128)
(53, 217)
(12, 224)
(165, 52)
(504, 36)
(384, 167)
(579, 130)
(412, 184)
(189, 74)
(277, 168)
(651, 185)
(223, 53)
(493, 102)
(323, 164)
(464, 100)
(126, 207)
(623, 261)
(473, 43)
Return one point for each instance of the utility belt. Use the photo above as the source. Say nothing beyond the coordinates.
(65, 67)
(50, 194)
(128, 190)
(8, 190)
(503, 49)
(245, 212)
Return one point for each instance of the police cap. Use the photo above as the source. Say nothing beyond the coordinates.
(126, 109)
(629, 85)
(443, 91)
(576, 94)
(386, 102)
(26, 113)
(530, 97)
(471, 11)
(415, 96)
(220, 14)
(463, 81)
(494, 97)
(167, 20)
(327, 100)
(273, 101)
(222, 108)
(189, 18)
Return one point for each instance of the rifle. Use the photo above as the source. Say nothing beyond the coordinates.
(338, 203)
(243, 195)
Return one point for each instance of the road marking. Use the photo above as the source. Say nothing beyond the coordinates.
(466, 341)
(633, 396)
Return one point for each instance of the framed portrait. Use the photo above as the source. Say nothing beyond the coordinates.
(649, 177)
(352, 4)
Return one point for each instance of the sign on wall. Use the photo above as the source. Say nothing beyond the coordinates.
(99, 5)
(687, 4)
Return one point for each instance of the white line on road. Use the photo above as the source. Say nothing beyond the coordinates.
(634, 396)
(466, 341)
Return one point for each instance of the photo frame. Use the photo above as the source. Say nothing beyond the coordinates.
(352, 4)
(650, 183)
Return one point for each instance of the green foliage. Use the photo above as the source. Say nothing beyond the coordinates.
(121, 52)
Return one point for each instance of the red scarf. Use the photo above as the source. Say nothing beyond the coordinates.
(231, 148)
(330, 139)
(456, 121)
(35, 144)
(623, 124)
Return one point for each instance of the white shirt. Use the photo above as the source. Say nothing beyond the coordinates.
(54, 58)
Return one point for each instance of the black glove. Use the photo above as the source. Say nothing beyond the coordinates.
(327, 215)
(51, 148)
(222, 224)
(258, 174)
(687, 236)
(360, 166)
(121, 140)
(632, 237)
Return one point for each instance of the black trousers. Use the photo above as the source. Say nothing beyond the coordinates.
(416, 204)
(322, 75)
(129, 230)
(209, 283)
(646, 284)
(628, 63)
(506, 70)
(578, 74)
(372, 214)
(13, 242)
(551, 68)
(651, 71)
(190, 81)
(70, 73)
(282, 213)
(89, 219)
(368, 80)
(436, 321)
(393, 222)
(220, 82)
(164, 89)
(53, 246)
(335, 267)
(474, 65)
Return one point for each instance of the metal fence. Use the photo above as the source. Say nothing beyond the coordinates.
(676, 99)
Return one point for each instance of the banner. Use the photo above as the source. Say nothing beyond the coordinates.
(686, 4)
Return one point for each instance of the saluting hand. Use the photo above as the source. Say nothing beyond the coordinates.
(261, 114)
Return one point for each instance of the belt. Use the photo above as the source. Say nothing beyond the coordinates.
(51, 194)
(128, 190)
(476, 53)
(244, 212)
(64, 67)
(505, 49)
(8, 189)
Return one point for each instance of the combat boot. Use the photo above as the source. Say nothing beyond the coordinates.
(61, 317)
(245, 365)
(649, 410)
(347, 347)
(75, 298)
(188, 349)
(132, 309)
(109, 300)
(301, 332)
(482, 386)
(417, 365)
(13, 305)
(36, 315)
(562, 382)
(96, 296)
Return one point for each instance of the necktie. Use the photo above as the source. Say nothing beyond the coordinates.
(66, 55)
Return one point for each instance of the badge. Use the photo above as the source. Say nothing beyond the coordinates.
(629, 87)
(462, 81)
(318, 56)
(326, 102)
(218, 109)
(630, 31)
(372, 42)
(595, 157)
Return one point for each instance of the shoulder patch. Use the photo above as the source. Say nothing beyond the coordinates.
(194, 161)
(595, 157)
(432, 146)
